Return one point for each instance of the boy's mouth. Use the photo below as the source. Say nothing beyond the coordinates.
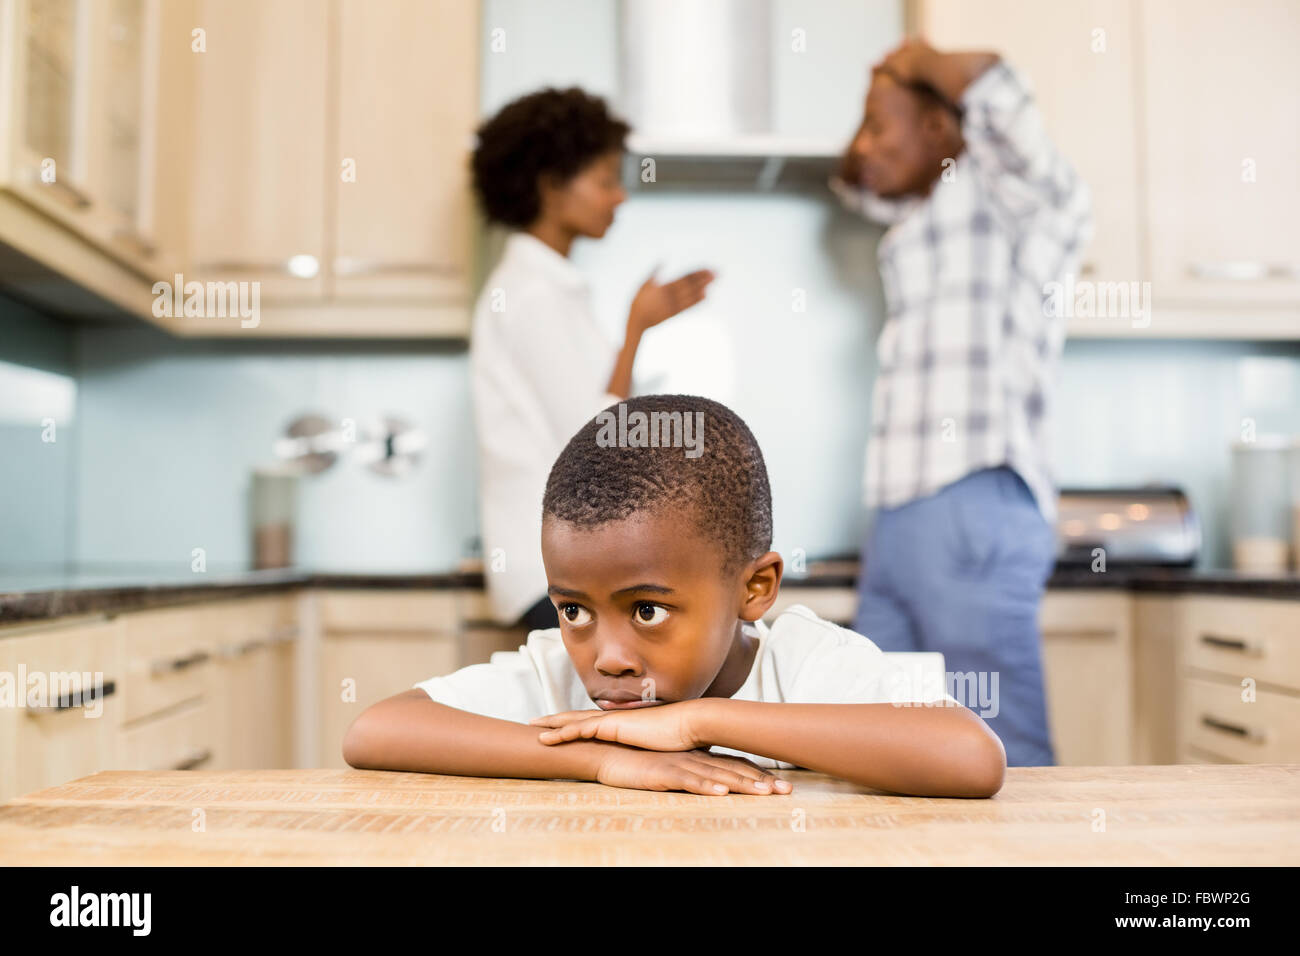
(605, 704)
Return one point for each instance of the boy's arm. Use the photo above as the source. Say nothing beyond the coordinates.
(411, 732)
(941, 751)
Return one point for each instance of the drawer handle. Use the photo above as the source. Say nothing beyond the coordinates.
(178, 664)
(239, 650)
(75, 699)
(1249, 733)
(1253, 648)
(194, 758)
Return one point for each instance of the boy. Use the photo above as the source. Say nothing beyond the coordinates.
(657, 544)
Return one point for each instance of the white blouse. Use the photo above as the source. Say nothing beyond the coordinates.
(539, 365)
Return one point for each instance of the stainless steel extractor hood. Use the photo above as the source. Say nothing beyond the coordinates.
(698, 87)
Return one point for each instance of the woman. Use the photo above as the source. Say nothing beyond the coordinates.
(547, 167)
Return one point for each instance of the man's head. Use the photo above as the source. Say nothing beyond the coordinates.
(654, 556)
(552, 154)
(907, 131)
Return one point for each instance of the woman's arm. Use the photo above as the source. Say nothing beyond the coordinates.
(654, 303)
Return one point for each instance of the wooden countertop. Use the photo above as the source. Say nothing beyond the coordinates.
(1168, 815)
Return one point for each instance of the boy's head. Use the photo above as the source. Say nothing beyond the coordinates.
(907, 131)
(655, 555)
(555, 155)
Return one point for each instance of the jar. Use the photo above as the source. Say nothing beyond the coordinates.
(1261, 505)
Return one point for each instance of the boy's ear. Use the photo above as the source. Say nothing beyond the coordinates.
(762, 584)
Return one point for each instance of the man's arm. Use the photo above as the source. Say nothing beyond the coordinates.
(409, 731)
(942, 751)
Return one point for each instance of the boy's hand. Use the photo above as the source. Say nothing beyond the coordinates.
(663, 727)
(695, 771)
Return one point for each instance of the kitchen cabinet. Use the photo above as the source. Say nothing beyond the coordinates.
(1084, 82)
(332, 165)
(1239, 681)
(1190, 160)
(1222, 149)
(407, 107)
(259, 173)
(1088, 673)
(251, 685)
(97, 114)
(375, 644)
(73, 729)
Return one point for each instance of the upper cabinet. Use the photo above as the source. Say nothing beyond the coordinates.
(85, 115)
(407, 107)
(1190, 155)
(332, 165)
(1223, 151)
(259, 158)
(1079, 57)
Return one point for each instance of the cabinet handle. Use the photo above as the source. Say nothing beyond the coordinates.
(193, 759)
(1253, 648)
(75, 699)
(178, 664)
(285, 634)
(297, 267)
(1249, 733)
(1243, 270)
(134, 239)
(348, 266)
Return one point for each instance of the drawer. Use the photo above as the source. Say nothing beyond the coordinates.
(179, 740)
(235, 628)
(1245, 637)
(374, 611)
(164, 652)
(1217, 721)
(71, 677)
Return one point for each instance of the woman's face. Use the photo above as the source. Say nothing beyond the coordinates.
(585, 204)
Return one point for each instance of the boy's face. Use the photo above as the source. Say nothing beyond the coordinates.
(644, 611)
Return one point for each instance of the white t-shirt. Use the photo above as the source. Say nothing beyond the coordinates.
(539, 365)
(801, 659)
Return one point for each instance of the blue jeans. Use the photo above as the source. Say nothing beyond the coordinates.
(962, 572)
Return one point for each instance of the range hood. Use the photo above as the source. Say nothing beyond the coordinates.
(699, 86)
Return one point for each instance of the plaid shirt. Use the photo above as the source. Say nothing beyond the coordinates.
(968, 353)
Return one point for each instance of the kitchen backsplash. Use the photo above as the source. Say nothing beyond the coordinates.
(153, 439)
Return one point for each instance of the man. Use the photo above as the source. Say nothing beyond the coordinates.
(983, 213)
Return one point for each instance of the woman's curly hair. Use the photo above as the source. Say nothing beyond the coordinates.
(552, 131)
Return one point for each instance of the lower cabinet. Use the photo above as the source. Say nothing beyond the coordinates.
(1088, 673)
(375, 644)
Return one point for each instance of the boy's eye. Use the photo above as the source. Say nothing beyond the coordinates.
(574, 614)
(651, 613)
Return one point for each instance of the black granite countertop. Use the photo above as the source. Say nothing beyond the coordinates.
(36, 595)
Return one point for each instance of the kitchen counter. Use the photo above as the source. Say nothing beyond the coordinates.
(35, 596)
(1210, 815)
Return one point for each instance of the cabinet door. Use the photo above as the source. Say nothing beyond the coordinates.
(51, 109)
(407, 105)
(359, 669)
(259, 168)
(1079, 57)
(72, 728)
(1222, 150)
(1088, 672)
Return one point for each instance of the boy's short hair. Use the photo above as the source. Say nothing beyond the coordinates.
(725, 483)
(553, 131)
